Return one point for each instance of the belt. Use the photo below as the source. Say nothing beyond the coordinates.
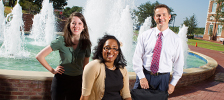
(155, 74)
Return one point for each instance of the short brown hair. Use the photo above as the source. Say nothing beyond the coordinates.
(162, 6)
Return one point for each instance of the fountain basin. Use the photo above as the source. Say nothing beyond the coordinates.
(16, 84)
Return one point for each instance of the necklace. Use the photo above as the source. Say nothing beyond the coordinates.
(112, 68)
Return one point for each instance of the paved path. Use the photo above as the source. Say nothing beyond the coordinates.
(210, 89)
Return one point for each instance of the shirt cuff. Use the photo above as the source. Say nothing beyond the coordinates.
(141, 75)
(174, 82)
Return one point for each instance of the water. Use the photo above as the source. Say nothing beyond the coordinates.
(112, 17)
(103, 16)
(13, 43)
(183, 35)
(31, 64)
(43, 28)
(2, 18)
(146, 25)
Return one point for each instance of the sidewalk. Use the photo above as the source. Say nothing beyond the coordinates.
(210, 89)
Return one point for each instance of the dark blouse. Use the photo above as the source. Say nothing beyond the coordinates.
(113, 84)
(71, 60)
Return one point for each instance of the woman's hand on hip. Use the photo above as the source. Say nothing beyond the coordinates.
(59, 70)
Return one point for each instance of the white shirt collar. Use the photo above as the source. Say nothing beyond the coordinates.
(165, 32)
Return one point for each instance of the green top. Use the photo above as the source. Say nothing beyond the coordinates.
(72, 60)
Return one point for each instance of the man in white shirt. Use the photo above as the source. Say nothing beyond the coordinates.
(171, 56)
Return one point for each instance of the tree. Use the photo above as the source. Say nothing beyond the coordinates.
(191, 23)
(12, 3)
(67, 11)
(59, 4)
(146, 10)
(30, 6)
(219, 16)
(199, 31)
(37, 4)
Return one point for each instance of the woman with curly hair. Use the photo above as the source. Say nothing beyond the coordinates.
(74, 48)
(106, 78)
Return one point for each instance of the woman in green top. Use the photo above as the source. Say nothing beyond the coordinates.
(74, 48)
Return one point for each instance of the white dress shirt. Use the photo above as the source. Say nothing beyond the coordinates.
(171, 53)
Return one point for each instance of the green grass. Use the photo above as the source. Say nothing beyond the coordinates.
(8, 10)
(135, 36)
(206, 44)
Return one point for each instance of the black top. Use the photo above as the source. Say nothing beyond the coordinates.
(113, 84)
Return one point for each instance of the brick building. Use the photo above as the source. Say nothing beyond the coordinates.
(212, 24)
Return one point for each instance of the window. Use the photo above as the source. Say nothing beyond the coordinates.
(210, 29)
(214, 7)
(219, 30)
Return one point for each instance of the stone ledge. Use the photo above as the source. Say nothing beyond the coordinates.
(25, 75)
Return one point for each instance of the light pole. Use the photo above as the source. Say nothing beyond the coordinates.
(174, 15)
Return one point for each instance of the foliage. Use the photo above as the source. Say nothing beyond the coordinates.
(59, 4)
(29, 6)
(12, 3)
(220, 11)
(146, 10)
(210, 32)
(199, 31)
(191, 23)
(174, 29)
(219, 16)
(36, 5)
(67, 11)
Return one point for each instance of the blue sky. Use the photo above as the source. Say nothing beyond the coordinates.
(183, 8)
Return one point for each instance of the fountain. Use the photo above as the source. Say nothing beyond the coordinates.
(13, 43)
(183, 35)
(2, 18)
(146, 25)
(43, 28)
(114, 19)
(102, 16)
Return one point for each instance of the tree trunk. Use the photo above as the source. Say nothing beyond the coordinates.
(13, 2)
(10, 3)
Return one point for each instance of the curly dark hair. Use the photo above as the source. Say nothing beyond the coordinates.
(119, 62)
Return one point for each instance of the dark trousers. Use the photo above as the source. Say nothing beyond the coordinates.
(159, 82)
(65, 87)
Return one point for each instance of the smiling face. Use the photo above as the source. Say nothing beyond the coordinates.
(110, 50)
(76, 25)
(162, 17)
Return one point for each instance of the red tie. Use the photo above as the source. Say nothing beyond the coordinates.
(156, 55)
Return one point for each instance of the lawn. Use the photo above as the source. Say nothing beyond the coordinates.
(8, 10)
(206, 44)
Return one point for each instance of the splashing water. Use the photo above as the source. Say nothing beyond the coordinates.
(13, 44)
(43, 28)
(2, 18)
(183, 35)
(146, 25)
(112, 17)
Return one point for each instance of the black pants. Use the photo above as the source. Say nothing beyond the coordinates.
(65, 87)
(159, 82)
